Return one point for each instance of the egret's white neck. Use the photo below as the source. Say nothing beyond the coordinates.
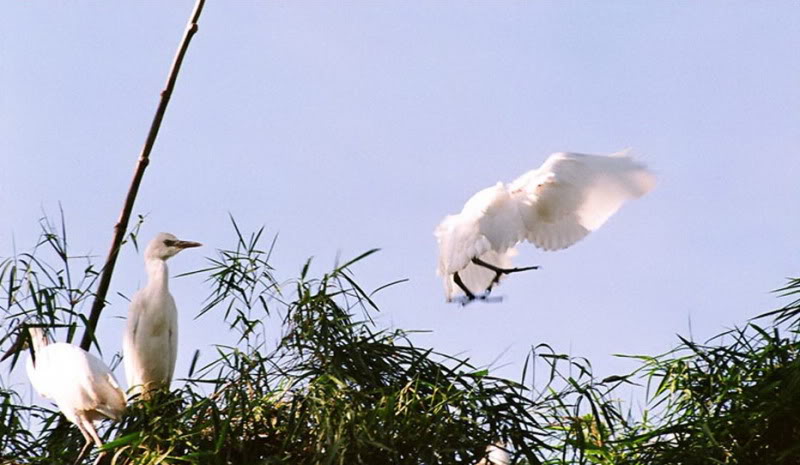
(39, 339)
(157, 273)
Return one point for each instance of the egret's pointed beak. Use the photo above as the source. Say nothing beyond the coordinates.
(187, 244)
(18, 346)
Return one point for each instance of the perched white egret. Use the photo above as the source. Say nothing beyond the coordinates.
(496, 454)
(552, 207)
(78, 382)
(150, 343)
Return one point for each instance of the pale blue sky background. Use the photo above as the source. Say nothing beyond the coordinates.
(348, 126)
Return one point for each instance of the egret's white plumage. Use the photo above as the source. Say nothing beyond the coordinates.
(552, 207)
(150, 342)
(78, 382)
(496, 454)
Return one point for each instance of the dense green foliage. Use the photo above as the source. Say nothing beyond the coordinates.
(338, 389)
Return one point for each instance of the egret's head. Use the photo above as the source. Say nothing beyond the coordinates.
(34, 339)
(166, 245)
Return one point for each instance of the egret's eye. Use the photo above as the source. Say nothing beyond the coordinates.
(169, 242)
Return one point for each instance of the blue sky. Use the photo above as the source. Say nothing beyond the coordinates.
(348, 126)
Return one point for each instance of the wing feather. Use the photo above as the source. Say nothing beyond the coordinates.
(573, 194)
(131, 357)
(172, 340)
(109, 400)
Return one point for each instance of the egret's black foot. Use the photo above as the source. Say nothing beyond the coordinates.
(470, 296)
(485, 297)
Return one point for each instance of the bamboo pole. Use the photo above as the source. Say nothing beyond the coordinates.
(122, 224)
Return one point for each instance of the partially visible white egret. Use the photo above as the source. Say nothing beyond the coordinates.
(552, 207)
(496, 454)
(80, 384)
(150, 343)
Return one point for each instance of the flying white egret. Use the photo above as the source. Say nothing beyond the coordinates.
(150, 343)
(80, 384)
(552, 207)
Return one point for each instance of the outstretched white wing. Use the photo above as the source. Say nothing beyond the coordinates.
(573, 194)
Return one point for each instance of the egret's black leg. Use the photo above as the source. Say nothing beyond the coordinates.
(500, 271)
(460, 283)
